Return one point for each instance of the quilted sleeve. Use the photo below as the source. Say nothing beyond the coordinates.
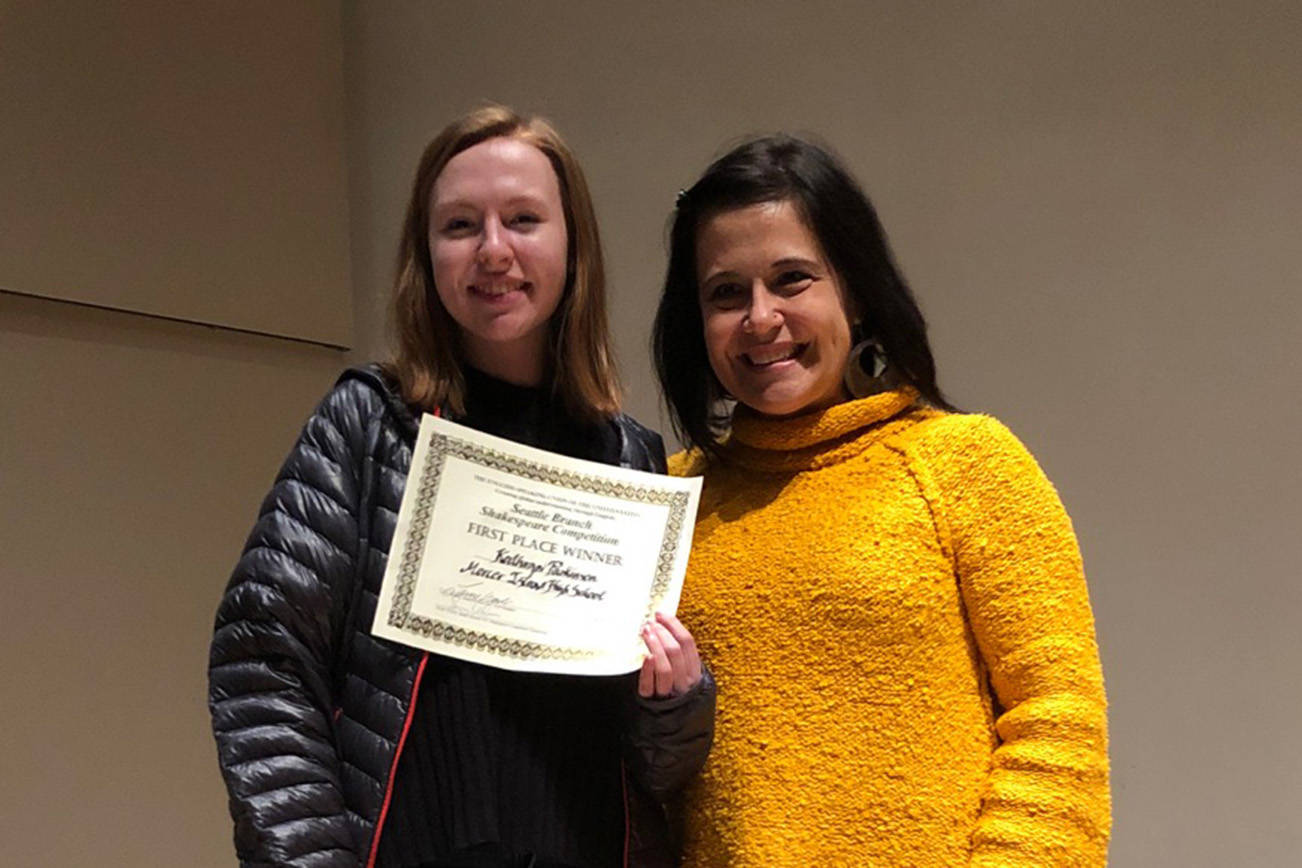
(671, 737)
(1023, 586)
(269, 669)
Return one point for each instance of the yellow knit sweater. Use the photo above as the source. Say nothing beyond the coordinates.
(860, 580)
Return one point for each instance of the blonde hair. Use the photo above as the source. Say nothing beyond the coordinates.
(427, 363)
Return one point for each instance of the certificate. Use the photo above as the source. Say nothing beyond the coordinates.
(523, 559)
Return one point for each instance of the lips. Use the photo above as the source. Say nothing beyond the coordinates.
(494, 291)
(771, 355)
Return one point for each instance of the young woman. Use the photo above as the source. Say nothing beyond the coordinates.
(889, 592)
(342, 749)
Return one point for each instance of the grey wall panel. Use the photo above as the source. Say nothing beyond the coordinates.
(179, 159)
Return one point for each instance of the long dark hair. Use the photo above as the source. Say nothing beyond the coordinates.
(772, 169)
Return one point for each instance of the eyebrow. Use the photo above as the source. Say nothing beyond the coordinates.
(715, 275)
(517, 199)
(796, 260)
(784, 262)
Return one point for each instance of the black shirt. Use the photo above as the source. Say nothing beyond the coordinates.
(502, 767)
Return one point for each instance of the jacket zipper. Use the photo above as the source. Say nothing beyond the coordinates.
(397, 752)
(393, 766)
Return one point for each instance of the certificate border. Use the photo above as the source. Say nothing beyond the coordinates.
(441, 446)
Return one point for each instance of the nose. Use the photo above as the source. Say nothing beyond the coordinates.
(764, 313)
(494, 253)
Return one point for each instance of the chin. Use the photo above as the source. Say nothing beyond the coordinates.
(781, 403)
(778, 406)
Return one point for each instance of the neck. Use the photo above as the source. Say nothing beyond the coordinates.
(520, 364)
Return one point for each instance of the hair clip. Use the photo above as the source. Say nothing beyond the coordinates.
(680, 198)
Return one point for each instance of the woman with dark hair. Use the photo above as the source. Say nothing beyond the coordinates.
(889, 592)
(343, 749)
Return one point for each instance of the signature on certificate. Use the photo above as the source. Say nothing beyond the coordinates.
(468, 599)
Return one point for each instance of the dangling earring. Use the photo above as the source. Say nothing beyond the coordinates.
(865, 369)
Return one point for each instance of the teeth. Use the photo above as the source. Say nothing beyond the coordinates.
(761, 356)
(495, 290)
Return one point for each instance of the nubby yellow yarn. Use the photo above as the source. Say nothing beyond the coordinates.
(892, 601)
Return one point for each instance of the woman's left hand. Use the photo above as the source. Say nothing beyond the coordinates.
(673, 666)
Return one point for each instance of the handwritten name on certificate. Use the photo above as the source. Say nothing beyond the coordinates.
(523, 559)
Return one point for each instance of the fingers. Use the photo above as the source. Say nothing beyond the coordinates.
(646, 679)
(673, 665)
(691, 658)
(660, 661)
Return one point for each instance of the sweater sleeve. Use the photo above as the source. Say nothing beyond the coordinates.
(1023, 586)
(270, 690)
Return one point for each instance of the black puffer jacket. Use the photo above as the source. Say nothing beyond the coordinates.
(309, 708)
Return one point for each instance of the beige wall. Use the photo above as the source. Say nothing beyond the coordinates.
(178, 158)
(186, 161)
(134, 455)
(1098, 207)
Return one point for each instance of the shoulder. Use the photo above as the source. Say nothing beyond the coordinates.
(640, 447)
(363, 393)
(637, 431)
(959, 436)
(689, 462)
(344, 420)
(975, 456)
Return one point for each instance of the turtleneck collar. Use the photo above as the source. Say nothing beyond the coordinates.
(813, 439)
(535, 416)
(484, 385)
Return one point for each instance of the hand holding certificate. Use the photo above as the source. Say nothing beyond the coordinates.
(523, 559)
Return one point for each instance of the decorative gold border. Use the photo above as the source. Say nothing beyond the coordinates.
(441, 446)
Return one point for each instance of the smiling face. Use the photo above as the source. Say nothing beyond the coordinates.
(498, 244)
(776, 329)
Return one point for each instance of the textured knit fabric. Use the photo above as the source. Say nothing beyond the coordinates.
(525, 760)
(308, 707)
(860, 579)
